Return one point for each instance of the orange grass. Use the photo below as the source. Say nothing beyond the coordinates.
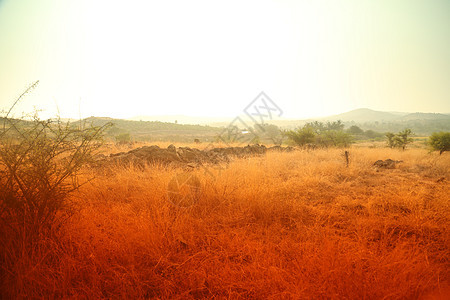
(287, 225)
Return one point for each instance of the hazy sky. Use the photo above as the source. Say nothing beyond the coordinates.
(211, 58)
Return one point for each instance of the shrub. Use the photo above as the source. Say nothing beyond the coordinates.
(269, 133)
(39, 164)
(400, 140)
(320, 134)
(39, 161)
(355, 130)
(390, 139)
(440, 141)
(301, 136)
(372, 134)
(123, 138)
(336, 138)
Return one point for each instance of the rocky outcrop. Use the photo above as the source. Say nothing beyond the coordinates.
(186, 156)
(386, 164)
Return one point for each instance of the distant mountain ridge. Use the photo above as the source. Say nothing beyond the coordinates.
(187, 128)
(360, 115)
(426, 116)
(369, 115)
(420, 123)
(182, 119)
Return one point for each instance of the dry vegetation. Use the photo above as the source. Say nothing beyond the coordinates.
(294, 225)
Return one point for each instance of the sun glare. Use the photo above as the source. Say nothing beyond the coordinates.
(203, 58)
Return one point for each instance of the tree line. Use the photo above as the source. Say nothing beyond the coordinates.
(333, 134)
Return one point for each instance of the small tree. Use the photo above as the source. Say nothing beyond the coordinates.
(341, 138)
(355, 130)
(270, 132)
(301, 136)
(318, 133)
(372, 134)
(231, 134)
(402, 139)
(390, 139)
(317, 126)
(336, 125)
(333, 138)
(123, 138)
(440, 141)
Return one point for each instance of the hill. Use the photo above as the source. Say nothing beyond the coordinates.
(154, 130)
(419, 123)
(182, 119)
(368, 119)
(362, 115)
(425, 116)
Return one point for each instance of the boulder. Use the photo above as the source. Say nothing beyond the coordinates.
(386, 164)
(186, 156)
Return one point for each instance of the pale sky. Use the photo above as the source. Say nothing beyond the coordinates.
(211, 58)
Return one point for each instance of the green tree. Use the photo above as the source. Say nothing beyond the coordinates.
(333, 138)
(270, 132)
(440, 141)
(301, 136)
(402, 139)
(123, 138)
(316, 126)
(390, 139)
(372, 134)
(355, 130)
(318, 133)
(337, 125)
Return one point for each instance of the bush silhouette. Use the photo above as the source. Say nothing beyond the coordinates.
(330, 134)
(440, 141)
(39, 164)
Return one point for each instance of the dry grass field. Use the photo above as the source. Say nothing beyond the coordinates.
(297, 225)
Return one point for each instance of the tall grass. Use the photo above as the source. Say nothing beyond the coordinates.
(287, 225)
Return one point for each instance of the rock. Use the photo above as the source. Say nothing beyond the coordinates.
(99, 157)
(387, 164)
(281, 149)
(185, 156)
(310, 146)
